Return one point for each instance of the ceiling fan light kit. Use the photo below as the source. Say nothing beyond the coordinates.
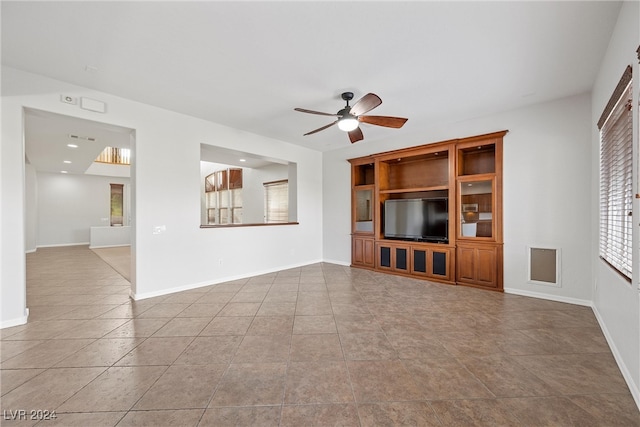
(350, 117)
(348, 123)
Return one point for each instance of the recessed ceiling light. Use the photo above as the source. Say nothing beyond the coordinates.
(67, 161)
(72, 146)
(243, 160)
(64, 172)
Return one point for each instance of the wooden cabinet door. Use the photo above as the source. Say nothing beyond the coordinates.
(432, 263)
(363, 252)
(466, 264)
(401, 259)
(486, 266)
(394, 257)
(478, 265)
(384, 259)
(420, 264)
(440, 264)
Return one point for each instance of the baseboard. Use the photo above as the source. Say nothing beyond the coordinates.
(63, 245)
(109, 246)
(540, 295)
(15, 322)
(633, 387)
(146, 295)
(333, 261)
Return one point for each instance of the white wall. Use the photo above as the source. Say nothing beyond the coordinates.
(253, 198)
(68, 205)
(31, 208)
(13, 295)
(166, 181)
(547, 168)
(616, 301)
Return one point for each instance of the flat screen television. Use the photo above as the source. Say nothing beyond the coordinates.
(424, 220)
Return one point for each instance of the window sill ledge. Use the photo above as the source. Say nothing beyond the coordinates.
(247, 225)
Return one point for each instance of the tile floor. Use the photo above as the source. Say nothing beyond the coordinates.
(312, 346)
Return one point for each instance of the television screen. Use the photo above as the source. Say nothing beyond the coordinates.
(417, 219)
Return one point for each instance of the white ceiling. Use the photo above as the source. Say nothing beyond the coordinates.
(225, 156)
(47, 136)
(248, 64)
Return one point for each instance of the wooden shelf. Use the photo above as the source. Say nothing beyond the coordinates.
(477, 159)
(415, 190)
(363, 174)
(363, 187)
(411, 172)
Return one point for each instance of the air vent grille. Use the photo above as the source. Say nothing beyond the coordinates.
(85, 138)
(544, 266)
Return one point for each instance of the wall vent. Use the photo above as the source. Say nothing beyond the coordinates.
(543, 266)
(86, 138)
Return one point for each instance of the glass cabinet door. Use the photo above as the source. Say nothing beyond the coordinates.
(364, 210)
(476, 208)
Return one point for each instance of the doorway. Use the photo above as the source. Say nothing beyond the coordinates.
(68, 186)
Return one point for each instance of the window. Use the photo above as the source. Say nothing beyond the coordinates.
(117, 204)
(616, 173)
(276, 201)
(115, 156)
(223, 192)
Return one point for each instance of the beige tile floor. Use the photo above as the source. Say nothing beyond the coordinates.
(311, 346)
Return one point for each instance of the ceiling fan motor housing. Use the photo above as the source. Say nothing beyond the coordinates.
(344, 112)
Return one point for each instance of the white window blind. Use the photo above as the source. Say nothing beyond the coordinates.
(276, 201)
(616, 178)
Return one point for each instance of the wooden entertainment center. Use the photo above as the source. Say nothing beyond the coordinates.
(467, 173)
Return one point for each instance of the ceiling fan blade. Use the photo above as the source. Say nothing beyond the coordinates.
(366, 104)
(386, 121)
(302, 110)
(356, 135)
(322, 128)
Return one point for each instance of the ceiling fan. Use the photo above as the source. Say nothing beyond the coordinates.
(351, 116)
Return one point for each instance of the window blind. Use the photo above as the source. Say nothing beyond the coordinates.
(616, 178)
(276, 201)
